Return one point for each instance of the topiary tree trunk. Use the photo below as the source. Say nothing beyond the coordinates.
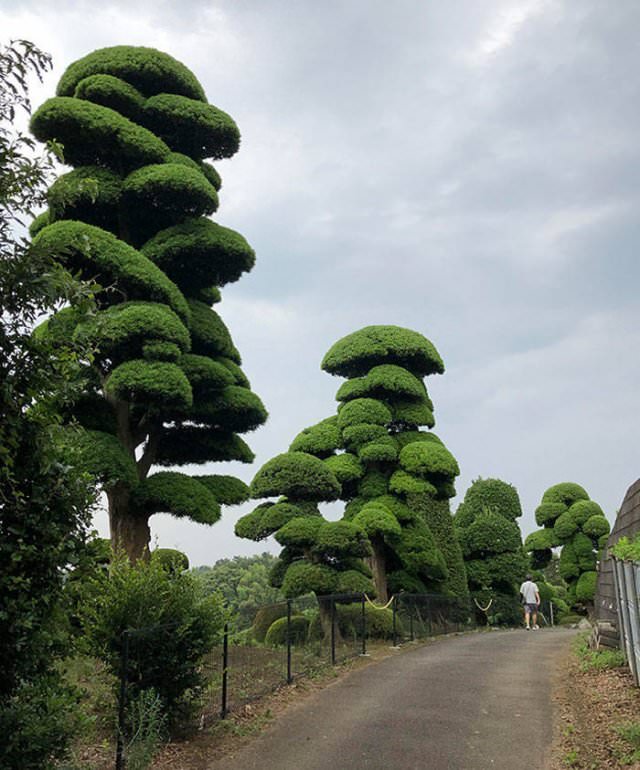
(165, 387)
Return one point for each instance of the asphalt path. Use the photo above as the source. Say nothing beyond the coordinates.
(468, 702)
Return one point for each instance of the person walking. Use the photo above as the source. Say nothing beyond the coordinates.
(531, 598)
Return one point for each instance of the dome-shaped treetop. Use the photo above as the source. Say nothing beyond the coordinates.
(156, 104)
(148, 70)
(357, 353)
(296, 475)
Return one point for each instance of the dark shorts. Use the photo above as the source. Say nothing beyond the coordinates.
(529, 608)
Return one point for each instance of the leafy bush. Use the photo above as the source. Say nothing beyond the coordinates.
(265, 617)
(626, 549)
(170, 626)
(277, 633)
(379, 622)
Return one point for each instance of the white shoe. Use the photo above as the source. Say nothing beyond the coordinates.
(527, 628)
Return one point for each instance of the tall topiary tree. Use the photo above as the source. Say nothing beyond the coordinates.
(165, 387)
(492, 546)
(391, 474)
(570, 519)
(318, 556)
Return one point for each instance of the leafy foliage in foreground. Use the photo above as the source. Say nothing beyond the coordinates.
(44, 503)
(171, 625)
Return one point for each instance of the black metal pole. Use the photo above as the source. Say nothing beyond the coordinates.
(364, 628)
(225, 666)
(289, 676)
(411, 611)
(395, 610)
(124, 660)
(333, 632)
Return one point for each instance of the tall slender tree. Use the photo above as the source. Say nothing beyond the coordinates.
(487, 527)
(165, 387)
(570, 519)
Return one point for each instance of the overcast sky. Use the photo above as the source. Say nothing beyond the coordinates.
(465, 168)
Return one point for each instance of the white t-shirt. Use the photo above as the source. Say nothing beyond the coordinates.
(529, 590)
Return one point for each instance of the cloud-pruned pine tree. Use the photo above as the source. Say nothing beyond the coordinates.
(570, 519)
(492, 546)
(395, 478)
(165, 387)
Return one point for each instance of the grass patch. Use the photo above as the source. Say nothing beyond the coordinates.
(597, 660)
(630, 733)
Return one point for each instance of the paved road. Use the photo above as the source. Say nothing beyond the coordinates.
(470, 702)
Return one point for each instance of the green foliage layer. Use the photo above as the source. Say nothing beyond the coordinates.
(492, 546)
(570, 519)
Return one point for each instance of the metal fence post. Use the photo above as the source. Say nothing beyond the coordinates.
(395, 629)
(289, 676)
(122, 702)
(634, 620)
(411, 611)
(622, 631)
(364, 628)
(333, 631)
(225, 666)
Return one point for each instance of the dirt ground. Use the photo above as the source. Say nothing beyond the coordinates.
(589, 705)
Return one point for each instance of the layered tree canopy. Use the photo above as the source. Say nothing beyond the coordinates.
(165, 387)
(395, 477)
(486, 523)
(568, 518)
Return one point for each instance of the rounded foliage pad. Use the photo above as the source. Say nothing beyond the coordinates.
(147, 69)
(297, 475)
(355, 354)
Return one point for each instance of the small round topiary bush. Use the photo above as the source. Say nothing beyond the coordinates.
(277, 633)
(264, 619)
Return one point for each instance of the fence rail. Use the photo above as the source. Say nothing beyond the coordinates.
(626, 576)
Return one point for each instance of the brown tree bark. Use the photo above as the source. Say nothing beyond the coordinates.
(128, 533)
(377, 564)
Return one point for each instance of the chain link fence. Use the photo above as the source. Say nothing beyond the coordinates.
(627, 587)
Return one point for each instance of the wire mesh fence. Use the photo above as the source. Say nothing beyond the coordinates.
(265, 647)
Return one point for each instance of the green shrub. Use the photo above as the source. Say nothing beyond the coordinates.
(171, 626)
(277, 633)
(626, 549)
(379, 622)
(171, 559)
(265, 618)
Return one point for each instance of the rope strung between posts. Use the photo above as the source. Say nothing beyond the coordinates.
(376, 606)
(484, 609)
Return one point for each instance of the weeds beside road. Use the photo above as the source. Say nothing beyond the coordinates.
(598, 712)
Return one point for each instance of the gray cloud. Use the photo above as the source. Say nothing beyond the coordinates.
(466, 169)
